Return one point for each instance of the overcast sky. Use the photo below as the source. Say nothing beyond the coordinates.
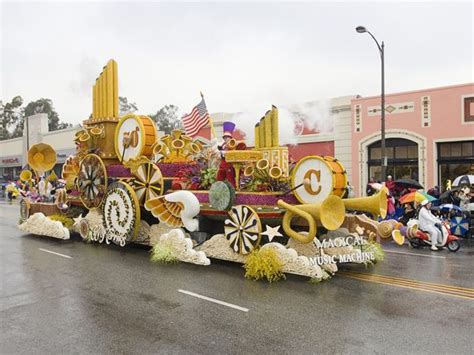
(239, 54)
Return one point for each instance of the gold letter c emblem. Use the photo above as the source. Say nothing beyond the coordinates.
(308, 175)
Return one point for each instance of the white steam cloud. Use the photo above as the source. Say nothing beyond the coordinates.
(312, 116)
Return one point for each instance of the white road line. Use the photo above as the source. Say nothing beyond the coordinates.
(426, 256)
(52, 252)
(214, 300)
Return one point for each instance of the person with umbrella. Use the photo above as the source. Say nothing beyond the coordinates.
(429, 223)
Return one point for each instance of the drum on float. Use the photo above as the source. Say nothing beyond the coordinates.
(135, 135)
(326, 175)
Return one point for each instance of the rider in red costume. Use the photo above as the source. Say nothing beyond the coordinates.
(226, 170)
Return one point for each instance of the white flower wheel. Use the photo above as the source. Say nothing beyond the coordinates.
(92, 180)
(121, 213)
(243, 229)
(148, 182)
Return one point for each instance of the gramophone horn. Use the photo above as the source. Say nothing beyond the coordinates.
(330, 213)
(41, 157)
(375, 204)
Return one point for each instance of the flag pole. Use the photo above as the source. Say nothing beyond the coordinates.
(213, 132)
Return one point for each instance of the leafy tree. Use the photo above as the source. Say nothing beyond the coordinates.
(10, 114)
(126, 107)
(167, 119)
(45, 106)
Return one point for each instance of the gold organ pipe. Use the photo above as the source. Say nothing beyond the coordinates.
(115, 89)
(275, 128)
(262, 132)
(99, 94)
(110, 89)
(257, 136)
(104, 92)
(94, 114)
(268, 129)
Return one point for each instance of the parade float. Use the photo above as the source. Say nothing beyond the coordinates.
(126, 184)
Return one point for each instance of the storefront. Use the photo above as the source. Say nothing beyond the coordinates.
(402, 159)
(429, 136)
(10, 167)
(454, 159)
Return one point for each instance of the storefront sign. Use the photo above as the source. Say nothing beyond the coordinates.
(62, 155)
(11, 161)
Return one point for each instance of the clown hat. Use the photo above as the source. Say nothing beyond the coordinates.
(228, 129)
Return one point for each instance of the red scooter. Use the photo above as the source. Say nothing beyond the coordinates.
(422, 238)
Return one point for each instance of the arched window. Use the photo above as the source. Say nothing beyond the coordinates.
(402, 156)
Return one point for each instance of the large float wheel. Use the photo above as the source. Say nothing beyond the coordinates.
(243, 229)
(92, 180)
(148, 182)
(121, 211)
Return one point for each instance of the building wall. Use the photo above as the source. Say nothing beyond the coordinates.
(426, 116)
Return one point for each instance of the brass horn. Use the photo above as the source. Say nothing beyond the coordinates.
(195, 148)
(275, 172)
(26, 175)
(176, 133)
(232, 144)
(262, 164)
(261, 168)
(159, 148)
(375, 204)
(249, 170)
(166, 139)
(330, 213)
(177, 145)
(41, 157)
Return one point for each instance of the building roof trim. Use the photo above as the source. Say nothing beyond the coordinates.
(439, 88)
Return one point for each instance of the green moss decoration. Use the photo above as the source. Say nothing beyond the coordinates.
(163, 253)
(65, 220)
(264, 263)
(376, 248)
(222, 195)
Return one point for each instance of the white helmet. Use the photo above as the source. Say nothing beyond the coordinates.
(424, 202)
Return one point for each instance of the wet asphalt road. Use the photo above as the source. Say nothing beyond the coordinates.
(106, 299)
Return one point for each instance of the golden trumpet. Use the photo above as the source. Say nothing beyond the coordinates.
(166, 139)
(249, 170)
(263, 164)
(41, 157)
(177, 145)
(195, 148)
(375, 204)
(160, 148)
(275, 172)
(26, 175)
(176, 133)
(231, 144)
(330, 213)
(78, 134)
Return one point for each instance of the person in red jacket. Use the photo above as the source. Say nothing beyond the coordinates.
(226, 170)
(390, 184)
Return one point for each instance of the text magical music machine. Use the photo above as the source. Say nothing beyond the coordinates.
(127, 184)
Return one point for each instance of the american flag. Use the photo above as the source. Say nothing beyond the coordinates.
(195, 120)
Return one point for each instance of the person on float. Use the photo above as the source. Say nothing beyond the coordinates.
(429, 223)
(226, 171)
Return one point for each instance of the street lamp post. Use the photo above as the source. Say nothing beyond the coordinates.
(362, 29)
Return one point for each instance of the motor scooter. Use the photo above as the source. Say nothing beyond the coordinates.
(422, 238)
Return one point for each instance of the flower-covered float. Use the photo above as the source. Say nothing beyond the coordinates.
(194, 200)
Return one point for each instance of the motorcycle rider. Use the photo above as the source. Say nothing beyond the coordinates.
(428, 222)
